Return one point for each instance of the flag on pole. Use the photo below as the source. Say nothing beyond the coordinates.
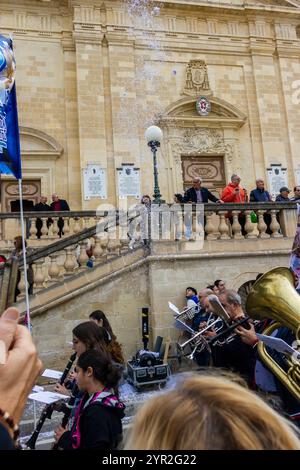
(10, 155)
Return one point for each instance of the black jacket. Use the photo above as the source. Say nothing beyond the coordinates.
(237, 356)
(63, 204)
(100, 428)
(191, 195)
(42, 207)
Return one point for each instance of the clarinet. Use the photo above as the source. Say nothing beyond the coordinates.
(48, 409)
(68, 409)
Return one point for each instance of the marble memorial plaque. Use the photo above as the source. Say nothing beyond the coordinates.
(94, 182)
(277, 178)
(129, 181)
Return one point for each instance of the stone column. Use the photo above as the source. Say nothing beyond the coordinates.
(90, 95)
(72, 125)
(268, 99)
(287, 66)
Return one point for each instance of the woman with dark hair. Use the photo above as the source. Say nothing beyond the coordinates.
(90, 336)
(97, 424)
(100, 318)
(113, 345)
(86, 336)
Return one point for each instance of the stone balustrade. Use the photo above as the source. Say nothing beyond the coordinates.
(223, 221)
(45, 227)
(214, 224)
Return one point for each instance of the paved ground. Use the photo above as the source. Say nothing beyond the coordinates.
(128, 394)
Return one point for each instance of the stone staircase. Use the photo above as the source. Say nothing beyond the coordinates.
(123, 281)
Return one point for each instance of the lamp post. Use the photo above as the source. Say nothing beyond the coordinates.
(153, 136)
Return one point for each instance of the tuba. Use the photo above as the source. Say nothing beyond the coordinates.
(274, 296)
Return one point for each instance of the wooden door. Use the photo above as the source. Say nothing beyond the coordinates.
(10, 194)
(209, 168)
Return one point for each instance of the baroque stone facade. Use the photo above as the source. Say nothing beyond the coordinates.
(92, 75)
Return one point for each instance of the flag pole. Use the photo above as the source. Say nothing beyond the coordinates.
(27, 317)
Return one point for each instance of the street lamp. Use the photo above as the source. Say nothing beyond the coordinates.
(153, 136)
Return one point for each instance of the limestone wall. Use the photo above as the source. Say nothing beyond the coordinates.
(121, 299)
(93, 76)
(159, 279)
(169, 279)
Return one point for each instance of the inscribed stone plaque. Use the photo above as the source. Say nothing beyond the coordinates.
(94, 182)
(129, 181)
(277, 178)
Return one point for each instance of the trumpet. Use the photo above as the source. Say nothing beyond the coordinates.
(198, 342)
(222, 325)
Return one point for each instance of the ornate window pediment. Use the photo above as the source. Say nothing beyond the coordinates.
(38, 144)
(222, 112)
(194, 142)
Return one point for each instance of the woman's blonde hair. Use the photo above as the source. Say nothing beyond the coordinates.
(210, 413)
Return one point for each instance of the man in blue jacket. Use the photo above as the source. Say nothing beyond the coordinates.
(261, 195)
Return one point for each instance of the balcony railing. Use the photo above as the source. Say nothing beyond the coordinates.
(273, 220)
(44, 227)
(52, 259)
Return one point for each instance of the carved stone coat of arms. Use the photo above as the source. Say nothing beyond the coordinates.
(196, 78)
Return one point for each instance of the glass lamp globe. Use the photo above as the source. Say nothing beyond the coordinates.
(153, 134)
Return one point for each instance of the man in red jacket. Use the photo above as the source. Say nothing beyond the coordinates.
(236, 194)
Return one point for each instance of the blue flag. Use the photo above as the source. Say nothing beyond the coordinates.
(10, 155)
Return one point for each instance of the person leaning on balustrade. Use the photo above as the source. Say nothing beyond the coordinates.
(197, 195)
(42, 206)
(207, 412)
(261, 195)
(234, 193)
(58, 205)
(19, 368)
(177, 217)
(296, 197)
(283, 195)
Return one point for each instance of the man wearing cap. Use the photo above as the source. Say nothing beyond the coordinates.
(284, 195)
(197, 194)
